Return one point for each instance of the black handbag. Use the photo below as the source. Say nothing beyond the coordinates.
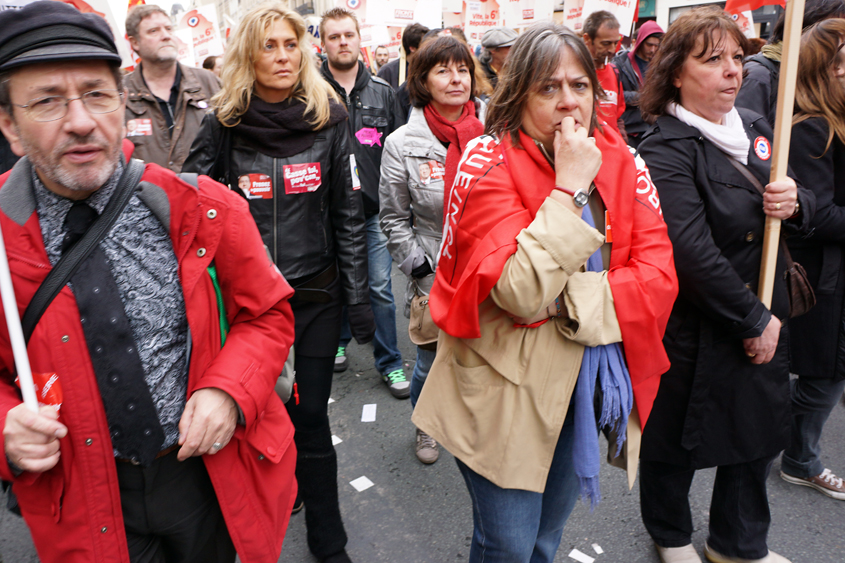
(802, 298)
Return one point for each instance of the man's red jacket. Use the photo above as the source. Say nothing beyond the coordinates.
(73, 510)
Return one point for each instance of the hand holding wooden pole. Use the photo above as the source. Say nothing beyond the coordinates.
(13, 321)
(783, 134)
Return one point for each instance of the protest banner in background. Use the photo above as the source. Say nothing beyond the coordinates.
(745, 21)
(204, 27)
(573, 14)
(624, 10)
(479, 16)
(185, 47)
(523, 13)
(357, 7)
(400, 13)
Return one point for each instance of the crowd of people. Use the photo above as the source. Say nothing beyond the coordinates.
(581, 233)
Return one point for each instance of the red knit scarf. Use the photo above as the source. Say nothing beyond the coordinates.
(457, 133)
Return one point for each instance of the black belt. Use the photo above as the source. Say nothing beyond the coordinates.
(313, 289)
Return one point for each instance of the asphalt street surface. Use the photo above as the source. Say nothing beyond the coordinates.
(420, 514)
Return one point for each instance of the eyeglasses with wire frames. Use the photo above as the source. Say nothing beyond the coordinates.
(51, 108)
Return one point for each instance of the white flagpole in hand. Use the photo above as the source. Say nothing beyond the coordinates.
(13, 321)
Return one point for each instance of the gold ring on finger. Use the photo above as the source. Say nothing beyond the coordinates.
(777, 205)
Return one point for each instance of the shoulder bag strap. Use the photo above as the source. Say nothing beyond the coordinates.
(756, 183)
(67, 265)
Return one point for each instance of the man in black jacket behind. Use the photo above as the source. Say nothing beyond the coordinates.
(374, 114)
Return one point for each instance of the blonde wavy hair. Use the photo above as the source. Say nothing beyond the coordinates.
(238, 74)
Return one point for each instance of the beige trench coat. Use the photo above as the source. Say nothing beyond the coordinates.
(498, 402)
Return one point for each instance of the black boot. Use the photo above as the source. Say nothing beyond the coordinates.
(316, 471)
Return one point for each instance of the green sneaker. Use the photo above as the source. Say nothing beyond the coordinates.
(397, 383)
(341, 363)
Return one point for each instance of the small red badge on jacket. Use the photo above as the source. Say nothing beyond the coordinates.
(762, 148)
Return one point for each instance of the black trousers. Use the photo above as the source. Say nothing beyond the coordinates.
(317, 334)
(171, 513)
(739, 508)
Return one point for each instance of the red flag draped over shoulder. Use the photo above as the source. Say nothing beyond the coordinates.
(496, 194)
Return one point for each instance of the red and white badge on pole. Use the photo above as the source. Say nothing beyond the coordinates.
(302, 178)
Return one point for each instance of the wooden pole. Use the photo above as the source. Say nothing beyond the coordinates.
(783, 134)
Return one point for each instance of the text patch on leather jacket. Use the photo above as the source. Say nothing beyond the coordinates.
(302, 178)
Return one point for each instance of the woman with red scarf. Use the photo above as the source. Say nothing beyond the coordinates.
(555, 279)
(418, 165)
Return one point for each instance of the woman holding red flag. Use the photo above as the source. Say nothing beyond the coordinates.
(418, 165)
(540, 303)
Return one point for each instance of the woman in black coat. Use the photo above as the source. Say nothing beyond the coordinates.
(725, 400)
(817, 342)
(288, 152)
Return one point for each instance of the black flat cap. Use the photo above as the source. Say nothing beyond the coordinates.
(53, 31)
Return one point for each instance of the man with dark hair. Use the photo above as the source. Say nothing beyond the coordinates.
(497, 44)
(382, 56)
(167, 100)
(411, 38)
(390, 73)
(761, 72)
(163, 439)
(632, 66)
(601, 35)
(368, 128)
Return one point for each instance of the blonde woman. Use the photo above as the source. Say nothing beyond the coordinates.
(278, 123)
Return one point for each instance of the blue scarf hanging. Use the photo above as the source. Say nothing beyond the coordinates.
(608, 365)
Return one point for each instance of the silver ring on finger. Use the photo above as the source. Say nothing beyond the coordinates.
(777, 206)
(216, 446)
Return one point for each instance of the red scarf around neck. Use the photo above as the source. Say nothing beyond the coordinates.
(457, 133)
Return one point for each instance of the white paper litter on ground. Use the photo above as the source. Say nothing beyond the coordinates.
(331, 400)
(369, 413)
(582, 557)
(335, 440)
(361, 484)
(597, 548)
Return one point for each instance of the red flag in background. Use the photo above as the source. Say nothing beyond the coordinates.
(737, 6)
(133, 3)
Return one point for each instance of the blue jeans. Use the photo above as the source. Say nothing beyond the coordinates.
(385, 344)
(421, 369)
(516, 526)
(812, 401)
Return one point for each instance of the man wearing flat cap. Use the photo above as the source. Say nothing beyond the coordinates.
(159, 349)
(497, 44)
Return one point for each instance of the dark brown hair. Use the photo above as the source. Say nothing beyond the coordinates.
(818, 93)
(710, 24)
(411, 37)
(595, 20)
(814, 12)
(532, 61)
(443, 50)
(208, 63)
